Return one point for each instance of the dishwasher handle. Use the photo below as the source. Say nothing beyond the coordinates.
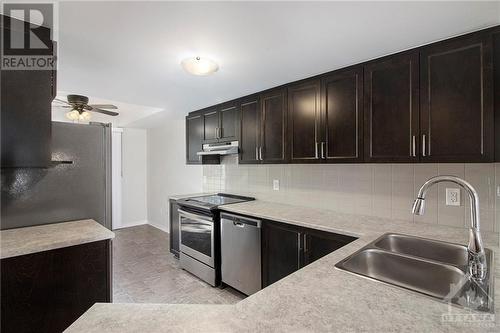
(241, 222)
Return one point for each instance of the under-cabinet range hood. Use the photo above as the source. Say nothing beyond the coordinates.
(225, 148)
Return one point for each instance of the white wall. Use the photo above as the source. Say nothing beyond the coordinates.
(168, 173)
(134, 181)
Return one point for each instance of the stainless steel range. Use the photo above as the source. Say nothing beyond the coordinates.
(199, 234)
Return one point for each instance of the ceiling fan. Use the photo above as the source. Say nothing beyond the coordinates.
(80, 108)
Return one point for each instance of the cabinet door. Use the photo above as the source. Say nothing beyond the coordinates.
(273, 127)
(342, 121)
(194, 138)
(391, 109)
(318, 244)
(456, 115)
(211, 126)
(281, 252)
(174, 228)
(250, 131)
(229, 122)
(304, 116)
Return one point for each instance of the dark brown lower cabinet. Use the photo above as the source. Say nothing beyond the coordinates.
(47, 291)
(281, 252)
(174, 228)
(286, 249)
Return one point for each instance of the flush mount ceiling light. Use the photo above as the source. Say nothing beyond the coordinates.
(199, 66)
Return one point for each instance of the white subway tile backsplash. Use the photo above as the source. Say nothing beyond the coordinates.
(384, 190)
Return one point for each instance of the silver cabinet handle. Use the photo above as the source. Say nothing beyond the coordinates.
(323, 144)
(216, 132)
(305, 243)
(423, 145)
(220, 133)
(316, 149)
(260, 153)
(413, 146)
(257, 153)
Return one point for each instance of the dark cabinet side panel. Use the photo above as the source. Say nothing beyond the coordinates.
(273, 126)
(174, 228)
(47, 291)
(391, 109)
(250, 131)
(304, 114)
(281, 253)
(456, 101)
(26, 118)
(342, 98)
(194, 138)
(496, 89)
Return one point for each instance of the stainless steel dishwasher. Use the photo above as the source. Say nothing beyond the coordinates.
(240, 253)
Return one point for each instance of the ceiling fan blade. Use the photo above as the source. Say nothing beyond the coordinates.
(61, 101)
(104, 106)
(109, 113)
(62, 106)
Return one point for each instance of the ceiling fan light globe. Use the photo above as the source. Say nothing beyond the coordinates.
(85, 116)
(73, 115)
(199, 66)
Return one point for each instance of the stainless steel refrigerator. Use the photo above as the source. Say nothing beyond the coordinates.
(77, 185)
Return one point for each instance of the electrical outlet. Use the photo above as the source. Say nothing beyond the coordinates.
(452, 197)
(276, 184)
(498, 191)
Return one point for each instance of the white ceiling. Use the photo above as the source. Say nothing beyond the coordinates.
(130, 51)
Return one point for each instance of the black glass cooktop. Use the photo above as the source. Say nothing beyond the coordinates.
(214, 200)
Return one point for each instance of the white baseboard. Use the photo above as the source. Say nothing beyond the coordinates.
(161, 227)
(131, 224)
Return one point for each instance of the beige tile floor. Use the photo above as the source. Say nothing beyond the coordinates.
(144, 271)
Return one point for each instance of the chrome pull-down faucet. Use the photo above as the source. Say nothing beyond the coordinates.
(476, 255)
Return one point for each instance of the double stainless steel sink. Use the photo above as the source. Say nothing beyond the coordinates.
(433, 268)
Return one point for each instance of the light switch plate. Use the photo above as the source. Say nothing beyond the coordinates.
(452, 197)
(498, 191)
(276, 184)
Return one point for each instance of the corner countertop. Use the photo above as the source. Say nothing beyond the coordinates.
(21, 241)
(316, 298)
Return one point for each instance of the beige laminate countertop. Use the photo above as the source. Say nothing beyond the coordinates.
(21, 241)
(317, 298)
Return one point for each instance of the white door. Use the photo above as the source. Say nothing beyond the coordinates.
(117, 174)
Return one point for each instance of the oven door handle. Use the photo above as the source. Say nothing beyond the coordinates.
(195, 217)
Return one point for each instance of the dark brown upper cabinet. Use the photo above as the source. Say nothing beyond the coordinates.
(263, 128)
(221, 122)
(391, 109)
(304, 117)
(26, 117)
(342, 116)
(273, 119)
(229, 115)
(211, 125)
(250, 130)
(456, 105)
(194, 137)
